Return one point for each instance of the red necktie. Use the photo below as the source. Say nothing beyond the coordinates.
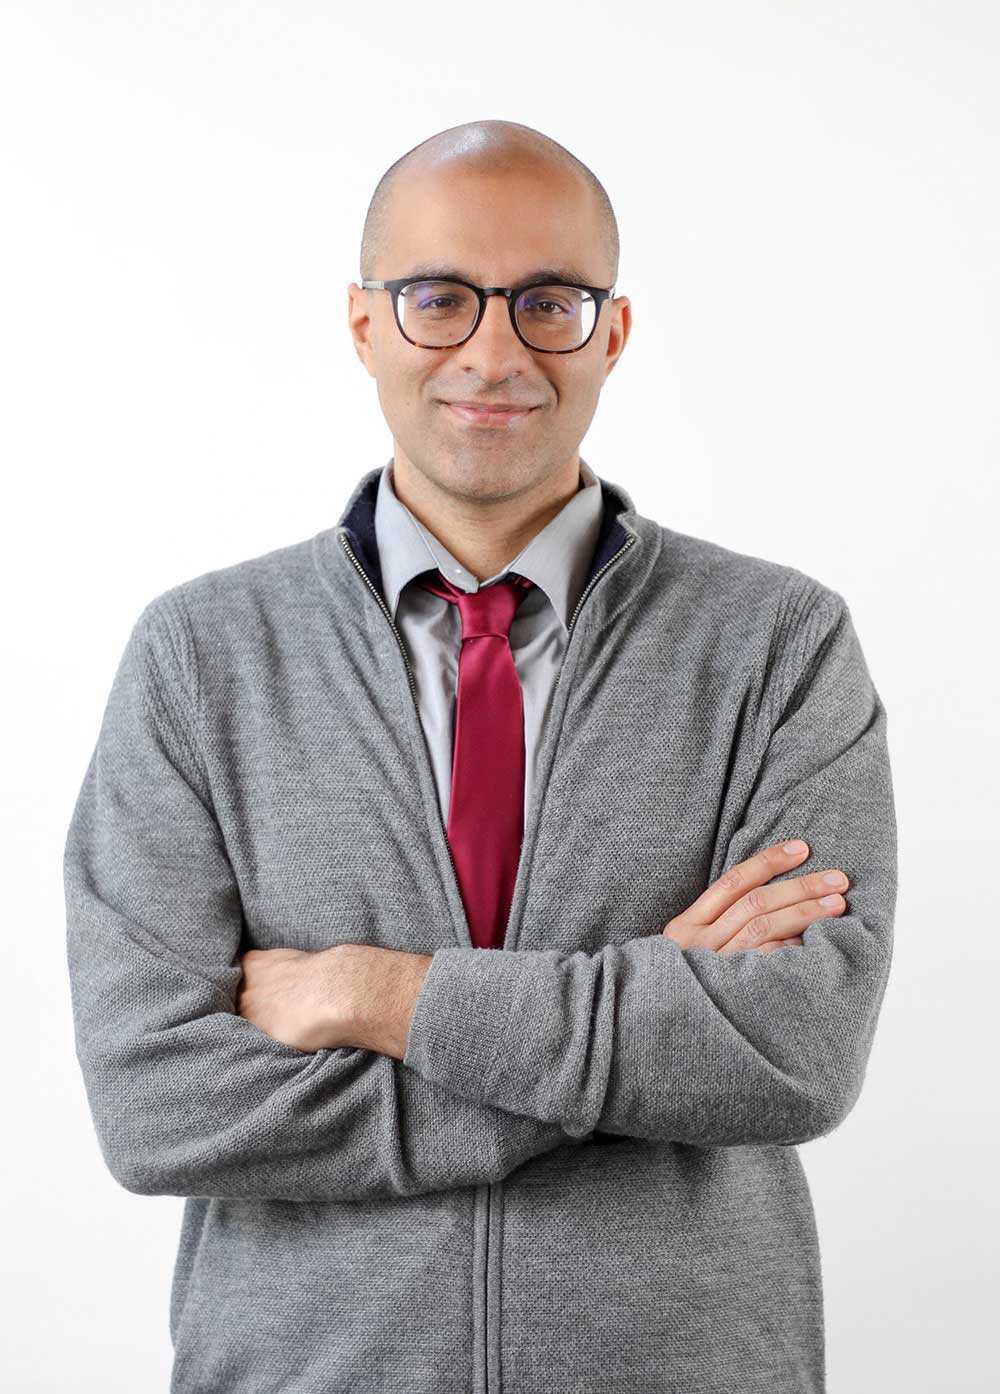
(486, 810)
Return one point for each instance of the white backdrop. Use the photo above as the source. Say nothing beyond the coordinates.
(807, 198)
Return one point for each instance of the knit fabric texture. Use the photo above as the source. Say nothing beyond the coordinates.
(583, 1175)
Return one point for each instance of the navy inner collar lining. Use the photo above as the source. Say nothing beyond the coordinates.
(359, 524)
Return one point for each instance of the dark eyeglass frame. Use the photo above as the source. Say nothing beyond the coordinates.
(599, 294)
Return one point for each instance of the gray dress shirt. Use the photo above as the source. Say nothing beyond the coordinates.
(556, 559)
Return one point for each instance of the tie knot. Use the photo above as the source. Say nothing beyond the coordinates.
(487, 611)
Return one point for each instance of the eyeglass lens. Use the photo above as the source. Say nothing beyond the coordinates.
(436, 314)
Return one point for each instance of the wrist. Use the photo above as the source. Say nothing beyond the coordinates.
(376, 991)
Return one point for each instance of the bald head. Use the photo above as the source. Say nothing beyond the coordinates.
(491, 147)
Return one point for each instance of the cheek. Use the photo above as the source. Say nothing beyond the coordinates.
(399, 396)
(573, 387)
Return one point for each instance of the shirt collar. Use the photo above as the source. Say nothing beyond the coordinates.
(556, 559)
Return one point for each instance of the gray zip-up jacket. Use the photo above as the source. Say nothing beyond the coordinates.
(582, 1176)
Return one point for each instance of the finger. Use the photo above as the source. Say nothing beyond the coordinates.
(772, 944)
(782, 924)
(767, 900)
(740, 878)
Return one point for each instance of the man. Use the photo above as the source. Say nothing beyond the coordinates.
(439, 920)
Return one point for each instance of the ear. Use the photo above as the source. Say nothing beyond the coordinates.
(359, 322)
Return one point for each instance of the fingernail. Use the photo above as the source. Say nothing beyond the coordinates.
(797, 845)
(829, 900)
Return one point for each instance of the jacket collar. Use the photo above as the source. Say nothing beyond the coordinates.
(357, 522)
(555, 559)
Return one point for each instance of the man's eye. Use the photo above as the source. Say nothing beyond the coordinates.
(436, 302)
(534, 305)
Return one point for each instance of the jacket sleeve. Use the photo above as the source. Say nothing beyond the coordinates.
(188, 1097)
(650, 1040)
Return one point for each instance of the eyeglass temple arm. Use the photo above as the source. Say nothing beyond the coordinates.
(380, 285)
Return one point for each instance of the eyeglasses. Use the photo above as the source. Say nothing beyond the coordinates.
(441, 314)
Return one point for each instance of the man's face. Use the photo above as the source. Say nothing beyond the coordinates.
(494, 229)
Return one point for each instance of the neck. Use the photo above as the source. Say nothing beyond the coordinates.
(483, 531)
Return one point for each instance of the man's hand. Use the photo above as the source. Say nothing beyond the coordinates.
(286, 992)
(740, 911)
(347, 995)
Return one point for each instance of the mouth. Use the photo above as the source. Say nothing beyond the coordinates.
(492, 416)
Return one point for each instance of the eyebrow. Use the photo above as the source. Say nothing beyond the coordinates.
(561, 275)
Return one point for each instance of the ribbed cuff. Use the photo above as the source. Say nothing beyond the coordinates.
(459, 1024)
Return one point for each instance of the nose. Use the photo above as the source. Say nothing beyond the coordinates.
(494, 349)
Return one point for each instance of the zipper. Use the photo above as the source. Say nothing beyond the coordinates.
(486, 1293)
(413, 693)
(593, 582)
(409, 675)
(522, 869)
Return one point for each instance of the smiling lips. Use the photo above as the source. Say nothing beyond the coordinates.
(487, 414)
